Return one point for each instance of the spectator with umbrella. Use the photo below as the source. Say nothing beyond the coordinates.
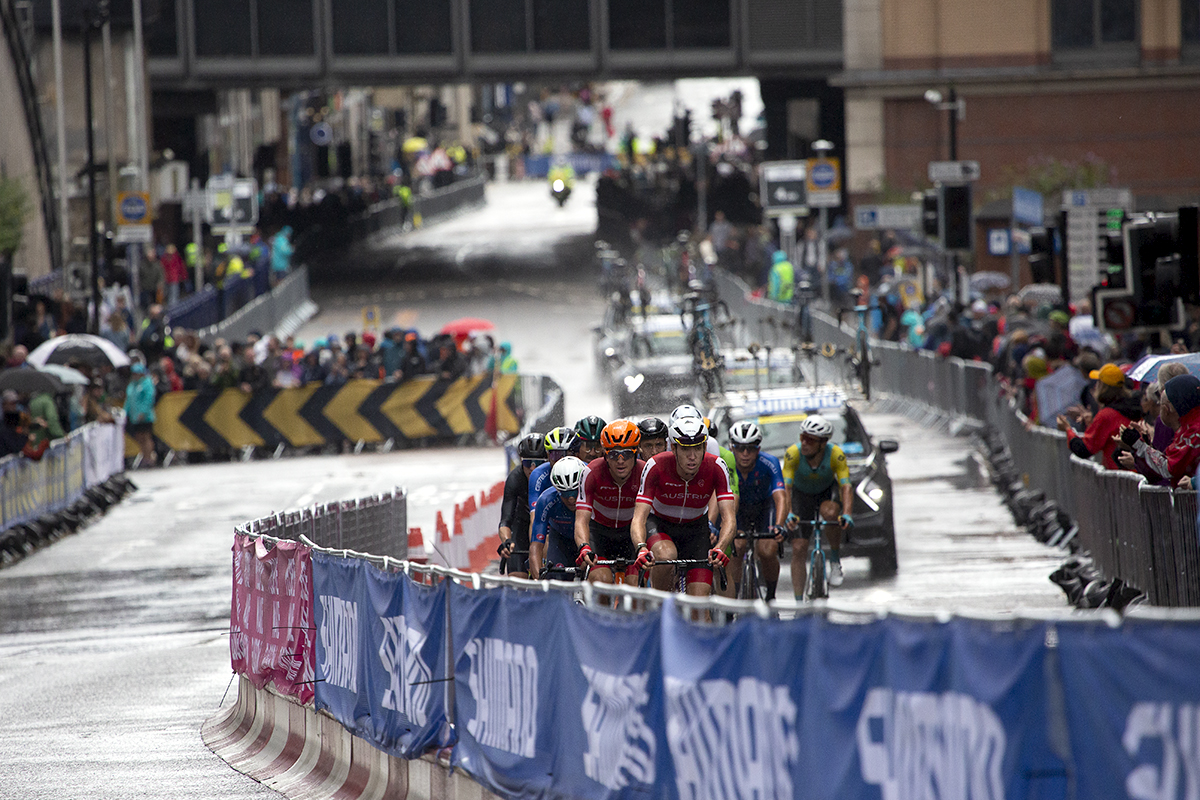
(1117, 410)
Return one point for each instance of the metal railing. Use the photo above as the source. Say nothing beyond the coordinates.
(376, 524)
(1145, 535)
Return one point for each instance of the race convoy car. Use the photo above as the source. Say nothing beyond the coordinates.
(760, 368)
(779, 412)
(653, 369)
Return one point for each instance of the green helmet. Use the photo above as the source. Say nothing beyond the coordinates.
(589, 428)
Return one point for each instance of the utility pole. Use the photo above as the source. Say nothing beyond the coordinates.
(93, 17)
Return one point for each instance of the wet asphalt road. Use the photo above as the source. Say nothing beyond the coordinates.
(112, 641)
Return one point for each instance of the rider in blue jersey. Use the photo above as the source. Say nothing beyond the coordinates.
(558, 444)
(552, 543)
(762, 501)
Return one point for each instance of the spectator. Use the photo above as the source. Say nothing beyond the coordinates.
(117, 332)
(12, 432)
(841, 277)
(450, 364)
(1179, 461)
(170, 380)
(139, 411)
(339, 370)
(720, 231)
(1117, 410)
(281, 254)
(508, 364)
(150, 278)
(44, 326)
(225, 371)
(391, 353)
(155, 337)
(95, 404)
(175, 273)
(414, 363)
(44, 414)
(781, 279)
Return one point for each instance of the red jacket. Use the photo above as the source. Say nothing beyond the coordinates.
(1182, 455)
(1099, 436)
(173, 268)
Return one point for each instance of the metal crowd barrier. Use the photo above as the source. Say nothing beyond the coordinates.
(376, 524)
(69, 467)
(1145, 535)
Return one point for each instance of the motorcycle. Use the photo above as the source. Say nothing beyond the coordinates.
(560, 191)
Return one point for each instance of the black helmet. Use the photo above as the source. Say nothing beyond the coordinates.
(589, 428)
(653, 428)
(532, 445)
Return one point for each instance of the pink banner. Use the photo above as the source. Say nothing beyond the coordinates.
(271, 624)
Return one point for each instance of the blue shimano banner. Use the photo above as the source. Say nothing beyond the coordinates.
(509, 656)
(380, 654)
(733, 709)
(1132, 697)
(406, 675)
(922, 709)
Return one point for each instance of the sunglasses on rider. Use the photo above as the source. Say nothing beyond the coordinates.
(532, 462)
(620, 455)
(744, 448)
(568, 495)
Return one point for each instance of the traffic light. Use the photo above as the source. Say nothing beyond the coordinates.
(929, 213)
(1041, 255)
(956, 218)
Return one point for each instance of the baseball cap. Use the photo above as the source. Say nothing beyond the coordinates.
(1109, 374)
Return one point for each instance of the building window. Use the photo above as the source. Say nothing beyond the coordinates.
(162, 32)
(1084, 24)
(1190, 29)
(253, 28)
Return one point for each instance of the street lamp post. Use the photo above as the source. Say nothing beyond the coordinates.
(822, 147)
(94, 16)
(958, 112)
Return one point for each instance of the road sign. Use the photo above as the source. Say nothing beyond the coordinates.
(953, 171)
(782, 187)
(824, 184)
(998, 242)
(1109, 198)
(893, 217)
(195, 204)
(232, 203)
(1091, 213)
(1027, 207)
(133, 208)
(134, 234)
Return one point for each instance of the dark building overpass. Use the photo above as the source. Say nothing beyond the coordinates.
(213, 44)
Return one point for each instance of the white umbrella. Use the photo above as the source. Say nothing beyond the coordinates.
(68, 375)
(94, 350)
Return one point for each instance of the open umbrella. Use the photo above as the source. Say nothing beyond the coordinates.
(1147, 367)
(30, 381)
(988, 281)
(68, 375)
(94, 350)
(465, 327)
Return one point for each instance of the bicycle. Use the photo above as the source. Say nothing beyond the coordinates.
(751, 586)
(860, 358)
(816, 587)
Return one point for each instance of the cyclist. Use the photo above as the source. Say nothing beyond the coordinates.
(816, 471)
(558, 443)
(671, 516)
(552, 543)
(606, 499)
(514, 510)
(762, 501)
(587, 433)
(654, 438)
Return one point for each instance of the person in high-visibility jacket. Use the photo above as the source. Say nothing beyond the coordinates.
(781, 278)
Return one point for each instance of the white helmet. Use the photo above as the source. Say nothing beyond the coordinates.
(685, 411)
(745, 432)
(689, 431)
(567, 474)
(818, 426)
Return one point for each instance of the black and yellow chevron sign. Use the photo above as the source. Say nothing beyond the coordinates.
(367, 410)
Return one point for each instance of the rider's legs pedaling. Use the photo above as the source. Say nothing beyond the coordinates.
(560, 552)
(609, 544)
(804, 506)
(688, 541)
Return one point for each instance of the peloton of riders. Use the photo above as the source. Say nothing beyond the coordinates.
(609, 499)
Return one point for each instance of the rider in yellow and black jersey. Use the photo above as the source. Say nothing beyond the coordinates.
(818, 477)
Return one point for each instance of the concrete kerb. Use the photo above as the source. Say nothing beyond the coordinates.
(305, 754)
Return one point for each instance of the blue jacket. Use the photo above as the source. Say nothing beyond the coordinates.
(139, 399)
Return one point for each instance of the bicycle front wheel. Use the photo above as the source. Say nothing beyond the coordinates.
(817, 586)
(749, 590)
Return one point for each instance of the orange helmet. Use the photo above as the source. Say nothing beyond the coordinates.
(621, 434)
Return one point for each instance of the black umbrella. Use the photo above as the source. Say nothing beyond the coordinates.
(26, 380)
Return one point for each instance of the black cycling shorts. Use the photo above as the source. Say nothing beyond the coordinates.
(692, 539)
(560, 551)
(610, 543)
(805, 507)
(520, 539)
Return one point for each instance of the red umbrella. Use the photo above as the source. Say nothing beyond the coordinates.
(465, 327)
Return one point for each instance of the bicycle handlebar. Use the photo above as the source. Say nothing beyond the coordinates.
(684, 562)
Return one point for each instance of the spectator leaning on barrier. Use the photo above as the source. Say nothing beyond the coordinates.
(139, 411)
(1179, 461)
(1117, 409)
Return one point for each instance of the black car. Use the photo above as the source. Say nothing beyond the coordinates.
(779, 412)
